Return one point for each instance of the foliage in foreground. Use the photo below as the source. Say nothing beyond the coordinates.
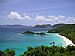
(7, 52)
(50, 51)
(43, 51)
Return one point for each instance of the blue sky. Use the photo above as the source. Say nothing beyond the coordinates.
(32, 12)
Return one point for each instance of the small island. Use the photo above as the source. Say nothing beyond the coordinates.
(30, 32)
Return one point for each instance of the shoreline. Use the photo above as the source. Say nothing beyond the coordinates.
(67, 41)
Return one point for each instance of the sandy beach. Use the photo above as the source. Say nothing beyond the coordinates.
(67, 41)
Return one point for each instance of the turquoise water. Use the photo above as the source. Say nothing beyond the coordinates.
(19, 42)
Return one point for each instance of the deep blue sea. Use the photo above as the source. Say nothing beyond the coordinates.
(13, 39)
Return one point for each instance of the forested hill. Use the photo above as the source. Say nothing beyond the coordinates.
(67, 30)
(43, 26)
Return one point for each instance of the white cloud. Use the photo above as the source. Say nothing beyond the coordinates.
(56, 17)
(52, 17)
(40, 18)
(16, 15)
(70, 19)
(49, 18)
(61, 17)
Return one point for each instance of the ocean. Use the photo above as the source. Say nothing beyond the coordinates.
(11, 38)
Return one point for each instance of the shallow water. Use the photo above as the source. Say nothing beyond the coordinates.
(13, 39)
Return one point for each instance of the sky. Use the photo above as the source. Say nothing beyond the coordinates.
(32, 12)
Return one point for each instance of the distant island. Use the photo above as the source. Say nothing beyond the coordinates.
(43, 26)
(36, 26)
(15, 26)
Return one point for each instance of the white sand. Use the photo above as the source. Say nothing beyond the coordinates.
(67, 41)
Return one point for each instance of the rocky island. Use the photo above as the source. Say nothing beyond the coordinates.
(28, 32)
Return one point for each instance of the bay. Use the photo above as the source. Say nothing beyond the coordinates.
(13, 39)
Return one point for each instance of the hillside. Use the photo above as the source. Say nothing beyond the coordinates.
(57, 25)
(43, 26)
(67, 30)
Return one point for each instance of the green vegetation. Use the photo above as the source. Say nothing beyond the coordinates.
(67, 30)
(50, 51)
(7, 52)
(28, 32)
(42, 26)
(43, 51)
